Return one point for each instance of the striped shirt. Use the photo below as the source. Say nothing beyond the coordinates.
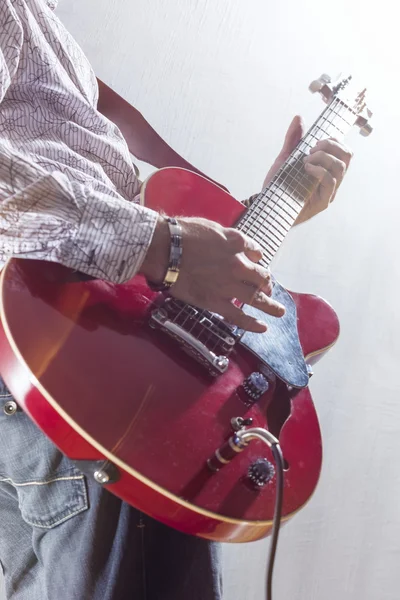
(68, 187)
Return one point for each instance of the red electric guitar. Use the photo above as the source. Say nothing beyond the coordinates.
(153, 398)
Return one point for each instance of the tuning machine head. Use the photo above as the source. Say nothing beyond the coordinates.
(354, 102)
(363, 114)
(323, 86)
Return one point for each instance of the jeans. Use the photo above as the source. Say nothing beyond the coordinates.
(64, 537)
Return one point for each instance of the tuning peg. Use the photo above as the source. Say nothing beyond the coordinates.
(315, 86)
(366, 129)
(318, 84)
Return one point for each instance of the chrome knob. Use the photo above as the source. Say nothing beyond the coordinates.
(260, 472)
(254, 386)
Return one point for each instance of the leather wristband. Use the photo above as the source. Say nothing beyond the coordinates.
(175, 256)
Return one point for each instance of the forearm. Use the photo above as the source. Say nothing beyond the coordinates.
(46, 216)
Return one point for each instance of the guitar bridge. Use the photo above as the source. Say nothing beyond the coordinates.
(200, 333)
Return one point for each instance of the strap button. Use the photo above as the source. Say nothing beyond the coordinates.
(10, 408)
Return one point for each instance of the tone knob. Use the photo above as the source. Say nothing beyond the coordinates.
(260, 472)
(254, 386)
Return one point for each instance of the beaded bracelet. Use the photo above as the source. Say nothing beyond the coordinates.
(175, 256)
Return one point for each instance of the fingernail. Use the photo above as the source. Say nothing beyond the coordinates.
(281, 309)
(262, 324)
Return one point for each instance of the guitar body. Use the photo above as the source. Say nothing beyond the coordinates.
(83, 362)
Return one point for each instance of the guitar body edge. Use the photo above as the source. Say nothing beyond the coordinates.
(166, 421)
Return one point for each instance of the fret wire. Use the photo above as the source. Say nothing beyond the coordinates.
(320, 128)
(304, 176)
(279, 187)
(327, 132)
(290, 203)
(274, 214)
(346, 109)
(283, 207)
(343, 119)
(338, 115)
(298, 182)
(285, 230)
(267, 252)
(265, 205)
(282, 217)
(267, 231)
(282, 231)
(269, 219)
(249, 219)
(270, 215)
(266, 261)
(273, 234)
(313, 136)
(295, 170)
(330, 123)
(288, 223)
(336, 127)
(330, 109)
(278, 195)
(267, 243)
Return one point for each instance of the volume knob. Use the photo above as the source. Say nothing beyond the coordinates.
(260, 472)
(254, 386)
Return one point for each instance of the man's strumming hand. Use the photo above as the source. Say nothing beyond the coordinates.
(218, 265)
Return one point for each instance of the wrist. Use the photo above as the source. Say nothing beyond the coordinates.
(156, 260)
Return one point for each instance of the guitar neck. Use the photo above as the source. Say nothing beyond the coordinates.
(277, 207)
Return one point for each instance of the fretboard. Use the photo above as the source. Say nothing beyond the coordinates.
(277, 207)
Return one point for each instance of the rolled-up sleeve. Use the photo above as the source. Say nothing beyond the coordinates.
(49, 217)
(46, 215)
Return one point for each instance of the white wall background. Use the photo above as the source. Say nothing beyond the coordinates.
(220, 80)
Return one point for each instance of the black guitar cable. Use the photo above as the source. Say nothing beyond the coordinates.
(245, 436)
(277, 452)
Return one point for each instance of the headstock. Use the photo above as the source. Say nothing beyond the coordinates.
(355, 102)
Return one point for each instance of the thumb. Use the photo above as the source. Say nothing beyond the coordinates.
(293, 135)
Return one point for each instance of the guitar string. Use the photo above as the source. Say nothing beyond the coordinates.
(325, 117)
(324, 126)
(269, 223)
(261, 203)
(330, 110)
(300, 149)
(303, 142)
(272, 207)
(291, 174)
